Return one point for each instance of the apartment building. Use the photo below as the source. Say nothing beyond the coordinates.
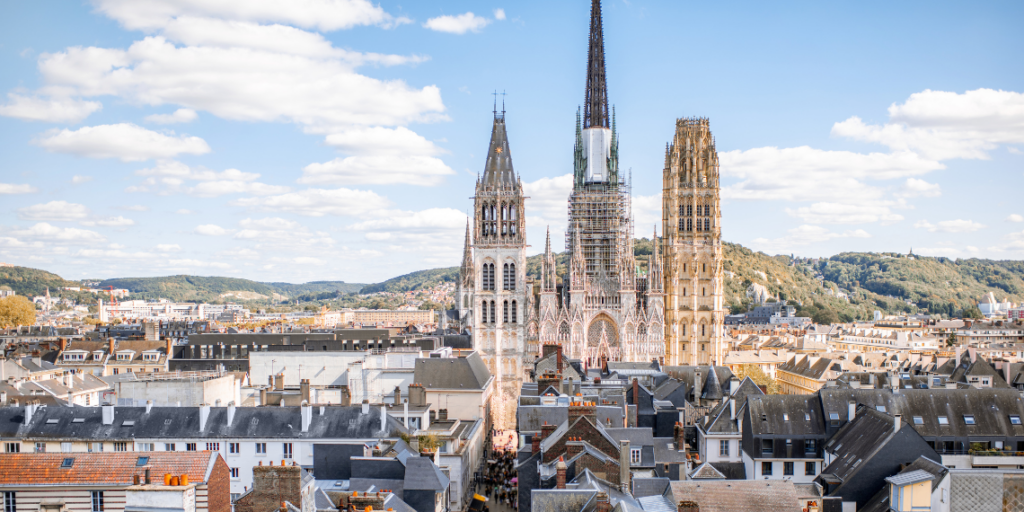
(243, 436)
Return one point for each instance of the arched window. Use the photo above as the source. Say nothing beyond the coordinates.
(702, 329)
(684, 291)
(483, 213)
(512, 276)
(515, 314)
(707, 225)
(512, 211)
(493, 318)
(483, 313)
(504, 277)
(689, 224)
(684, 329)
(504, 314)
(703, 292)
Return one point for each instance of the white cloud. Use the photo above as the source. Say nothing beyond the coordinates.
(11, 188)
(60, 211)
(378, 236)
(425, 221)
(499, 14)
(315, 202)
(378, 169)
(1015, 218)
(646, 214)
(326, 15)
(942, 125)
(281, 234)
(377, 140)
(168, 247)
(190, 263)
(949, 226)
(79, 179)
(125, 141)
(184, 211)
(182, 115)
(55, 109)
(949, 252)
(210, 230)
(547, 202)
(807, 174)
(116, 222)
(169, 177)
(841, 213)
(135, 208)
(44, 232)
(917, 187)
(246, 84)
(804, 235)
(459, 24)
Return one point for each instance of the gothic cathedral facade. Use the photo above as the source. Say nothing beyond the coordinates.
(606, 309)
(492, 289)
(692, 216)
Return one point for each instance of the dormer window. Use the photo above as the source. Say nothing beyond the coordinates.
(98, 355)
(150, 356)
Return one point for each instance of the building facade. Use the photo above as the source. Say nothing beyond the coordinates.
(691, 213)
(605, 309)
(492, 285)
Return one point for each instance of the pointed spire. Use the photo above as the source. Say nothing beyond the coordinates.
(498, 170)
(655, 283)
(596, 105)
(578, 266)
(548, 271)
(466, 272)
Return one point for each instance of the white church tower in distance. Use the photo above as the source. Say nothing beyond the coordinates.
(492, 285)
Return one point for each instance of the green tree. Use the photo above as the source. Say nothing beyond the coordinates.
(757, 375)
(429, 304)
(951, 340)
(825, 317)
(972, 312)
(16, 310)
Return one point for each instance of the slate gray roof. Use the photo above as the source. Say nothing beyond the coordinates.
(858, 441)
(178, 422)
(712, 388)
(731, 470)
(910, 477)
(650, 486)
(768, 415)
(937, 470)
(738, 495)
(532, 417)
(706, 472)
(468, 372)
(656, 504)
(393, 502)
(322, 501)
(422, 475)
(551, 362)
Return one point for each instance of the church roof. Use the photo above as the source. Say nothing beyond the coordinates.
(498, 170)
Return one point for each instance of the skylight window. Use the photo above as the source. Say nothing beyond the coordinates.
(943, 420)
(785, 417)
(67, 463)
(968, 419)
(52, 421)
(142, 461)
(1014, 419)
(880, 408)
(78, 420)
(918, 420)
(128, 423)
(807, 416)
(834, 416)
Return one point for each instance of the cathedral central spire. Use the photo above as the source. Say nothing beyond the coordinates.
(596, 105)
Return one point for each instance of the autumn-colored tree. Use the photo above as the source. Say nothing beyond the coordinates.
(757, 375)
(16, 310)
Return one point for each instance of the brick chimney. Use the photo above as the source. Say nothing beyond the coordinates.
(624, 472)
(546, 430)
(346, 395)
(417, 395)
(558, 358)
(398, 395)
(585, 409)
(679, 433)
(549, 379)
(560, 468)
(110, 346)
(534, 444)
(601, 500)
(170, 348)
(573, 447)
(304, 390)
(636, 392)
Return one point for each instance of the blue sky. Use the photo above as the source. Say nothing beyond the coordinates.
(340, 139)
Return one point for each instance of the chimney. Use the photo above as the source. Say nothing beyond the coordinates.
(405, 414)
(279, 382)
(108, 414)
(734, 386)
(534, 444)
(398, 395)
(679, 434)
(417, 395)
(855, 382)
(110, 346)
(231, 412)
(603, 505)
(170, 348)
(636, 392)
(304, 390)
(560, 468)
(346, 396)
(149, 406)
(384, 418)
(624, 465)
(204, 414)
(148, 480)
(897, 423)
(697, 389)
(851, 410)
(29, 411)
(306, 411)
(732, 407)
(263, 396)
(558, 357)
(366, 407)
(63, 344)
(546, 430)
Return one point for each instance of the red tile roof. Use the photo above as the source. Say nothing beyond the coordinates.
(18, 469)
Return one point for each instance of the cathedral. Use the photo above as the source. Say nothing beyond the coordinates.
(496, 242)
(603, 307)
